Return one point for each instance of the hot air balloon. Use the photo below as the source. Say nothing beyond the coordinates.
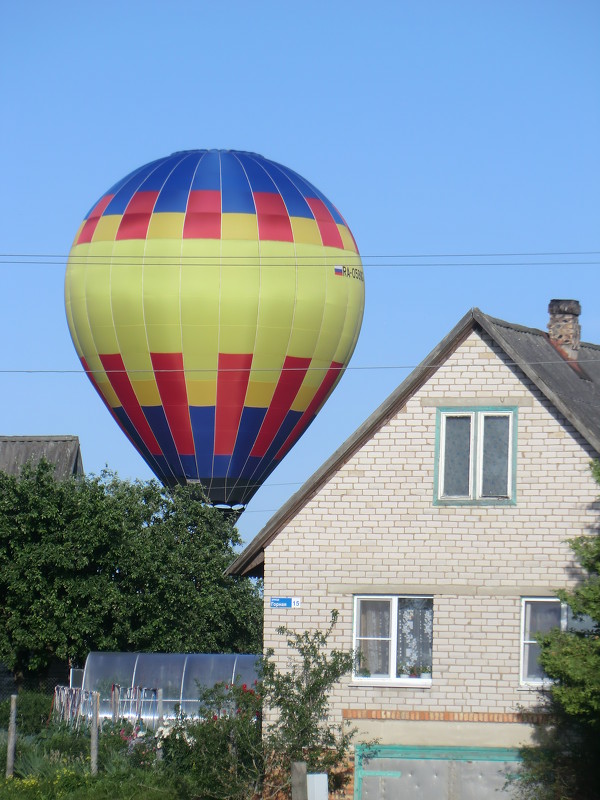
(214, 298)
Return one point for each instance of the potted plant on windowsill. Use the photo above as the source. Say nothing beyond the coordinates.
(414, 671)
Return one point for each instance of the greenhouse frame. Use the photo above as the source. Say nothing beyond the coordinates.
(128, 683)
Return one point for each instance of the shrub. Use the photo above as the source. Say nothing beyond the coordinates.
(228, 752)
(67, 785)
(222, 754)
(299, 728)
(33, 712)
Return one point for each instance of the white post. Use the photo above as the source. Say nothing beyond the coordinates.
(316, 784)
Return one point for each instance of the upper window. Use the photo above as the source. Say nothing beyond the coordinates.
(393, 638)
(476, 451)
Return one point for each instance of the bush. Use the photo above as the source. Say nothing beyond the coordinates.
(68, 785)
(56, 764)
(229, 754)
(33, 712)
(298, 701)
(222, 754)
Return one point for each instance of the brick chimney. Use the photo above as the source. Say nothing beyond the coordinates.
(563, 326)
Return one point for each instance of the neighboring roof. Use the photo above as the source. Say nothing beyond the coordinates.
(573, 390)
(62, 451)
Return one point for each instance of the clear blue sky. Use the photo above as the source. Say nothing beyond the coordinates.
(436, 127)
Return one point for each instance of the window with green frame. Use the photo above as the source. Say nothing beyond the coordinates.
(476, 454)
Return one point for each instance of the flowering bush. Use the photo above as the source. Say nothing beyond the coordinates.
(231, 754)
(222, 752)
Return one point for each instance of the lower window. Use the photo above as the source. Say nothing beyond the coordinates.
(539, 615)
(393, 637)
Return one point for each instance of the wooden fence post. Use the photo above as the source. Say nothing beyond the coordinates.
(114, 703)
(299, 786)
(159, 707)
(94, 732)
(12, 737)
(160, 713)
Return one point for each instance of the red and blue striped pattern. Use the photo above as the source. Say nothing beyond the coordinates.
(204, 185)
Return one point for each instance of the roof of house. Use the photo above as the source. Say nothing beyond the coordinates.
(573, 388)
(62, 451)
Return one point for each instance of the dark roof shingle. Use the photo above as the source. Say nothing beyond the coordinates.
(62, 451)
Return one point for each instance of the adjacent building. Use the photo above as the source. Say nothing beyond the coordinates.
(15, 452)
(62, 451)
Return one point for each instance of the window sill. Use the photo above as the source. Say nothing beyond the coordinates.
(479, 502)
(541, 686)
(403, 683)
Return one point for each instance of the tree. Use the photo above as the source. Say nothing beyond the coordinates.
(104, 564)
(564, 765)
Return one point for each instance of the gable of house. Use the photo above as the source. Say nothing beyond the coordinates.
(570, 388)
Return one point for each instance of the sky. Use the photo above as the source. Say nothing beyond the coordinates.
(460, 140)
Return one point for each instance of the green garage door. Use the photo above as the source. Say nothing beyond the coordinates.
(433, 773)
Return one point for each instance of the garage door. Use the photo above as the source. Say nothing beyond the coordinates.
(433, 773)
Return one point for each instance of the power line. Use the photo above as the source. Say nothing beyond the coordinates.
(276, 370)
(64, 256)
(389, 265)
(380, 261)
(292, 369)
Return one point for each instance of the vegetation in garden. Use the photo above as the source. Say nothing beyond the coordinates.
(34, 711)
(297, 704)
(56, 764)
(564, 763)
(231, 753)
(104, 564)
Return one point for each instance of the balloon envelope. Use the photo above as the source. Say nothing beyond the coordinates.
(214, 298)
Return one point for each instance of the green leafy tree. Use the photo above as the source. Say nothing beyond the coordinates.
(564, 764)
(104, 564)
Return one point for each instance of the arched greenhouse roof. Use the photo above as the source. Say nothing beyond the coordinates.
(179, 675)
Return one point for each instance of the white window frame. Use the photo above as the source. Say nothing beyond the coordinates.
(477, 418)
(391, 680)
(542, 681)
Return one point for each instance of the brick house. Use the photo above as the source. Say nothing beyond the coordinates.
(438, 530)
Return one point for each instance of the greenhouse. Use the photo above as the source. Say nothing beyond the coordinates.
(129, 683)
